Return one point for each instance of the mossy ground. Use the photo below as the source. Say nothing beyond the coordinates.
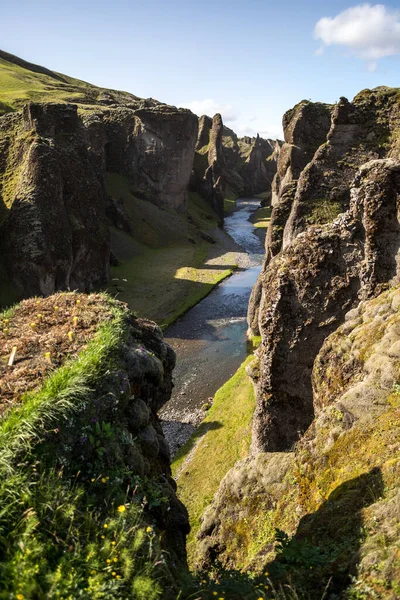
(229, 206)
(167, 265)
(45, 332)
(222, 439)
(19, 85)
(262, 217)
(72, 529)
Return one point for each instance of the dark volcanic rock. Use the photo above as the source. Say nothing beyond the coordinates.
(307, 289)
(209, 164)
(225, 165)
(54, 208)
(54, 234)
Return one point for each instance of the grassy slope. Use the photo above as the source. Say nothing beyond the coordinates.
(262, 217)
(19, 84)
(91, 549)
(222, 439)
(164, 268)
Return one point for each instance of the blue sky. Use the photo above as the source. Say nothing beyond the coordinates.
(249, 59)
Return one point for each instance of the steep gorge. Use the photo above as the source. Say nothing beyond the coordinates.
(313, 510)
(304, 505)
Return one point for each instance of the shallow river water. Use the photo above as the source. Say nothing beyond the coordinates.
(210, 339)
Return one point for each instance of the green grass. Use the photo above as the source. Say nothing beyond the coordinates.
(21, 84)
(60, 391)
(164, 259)
(160, 288)
(67, 530)
(229, 206)
(222, 439)
(262, 217)
(264, 195)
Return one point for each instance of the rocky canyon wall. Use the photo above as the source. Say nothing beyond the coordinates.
(54, 230)
(228, 166)
(333, 243)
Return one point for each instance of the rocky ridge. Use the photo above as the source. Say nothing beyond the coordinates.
(88, 431)
(228, 166)
(331, 254)
(53, 162)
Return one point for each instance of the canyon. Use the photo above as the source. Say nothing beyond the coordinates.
(283, 482)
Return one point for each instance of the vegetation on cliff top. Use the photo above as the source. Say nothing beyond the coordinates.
(22, 82)
(71, 526)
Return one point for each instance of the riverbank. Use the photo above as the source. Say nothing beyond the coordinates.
(167, 262)
(221, 440)
(210, 339)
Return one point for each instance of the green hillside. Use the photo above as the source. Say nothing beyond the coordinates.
(22, 82)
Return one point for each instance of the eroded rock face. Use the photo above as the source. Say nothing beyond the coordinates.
(54, 229)
(154, 147)
(342, 478)
(209, 164)
(54, 234)
(307, 289)
(226, 165)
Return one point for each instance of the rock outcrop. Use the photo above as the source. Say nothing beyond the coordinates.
(88, 435)
(228, 166)
(307, 289)
(324, 519)
(209, 164)
(54, 233)
(316, 267)
(54, 209)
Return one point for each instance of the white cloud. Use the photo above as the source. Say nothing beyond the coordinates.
(369, 31)
(266, 131)
(241, 124)
(210, 107)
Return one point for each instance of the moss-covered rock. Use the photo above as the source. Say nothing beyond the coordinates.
(324, 518)
(88, 503)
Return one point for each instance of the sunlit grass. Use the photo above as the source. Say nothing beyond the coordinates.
(222, 439)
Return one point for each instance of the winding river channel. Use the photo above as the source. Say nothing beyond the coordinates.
(210, 339)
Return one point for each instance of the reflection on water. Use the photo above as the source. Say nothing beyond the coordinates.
(210, 339)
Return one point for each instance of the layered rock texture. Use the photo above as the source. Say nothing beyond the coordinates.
(326, 264)
(324, 519)
(320, 487)
(53, 162)
(228, 166)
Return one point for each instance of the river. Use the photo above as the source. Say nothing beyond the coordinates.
(210, 339)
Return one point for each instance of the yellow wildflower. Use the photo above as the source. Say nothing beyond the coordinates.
(113, 543)
(103, 480)
(103, 537)
(93, 479)
(108, 561)
(148, 529)
(92, 572)
(114, 574)
(118, 576)
(20, 597)
(115, 559)
(121, 508)
(105, 526)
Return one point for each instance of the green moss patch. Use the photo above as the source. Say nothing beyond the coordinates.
(222, 439)
(262, 217)
(229, 206)
(166, 262)
(71, 522)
